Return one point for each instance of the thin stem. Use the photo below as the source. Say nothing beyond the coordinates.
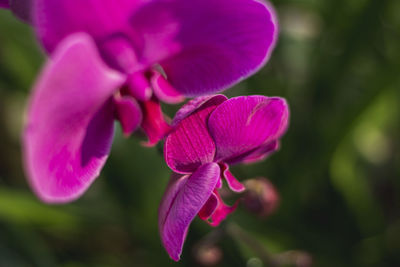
(238, 233)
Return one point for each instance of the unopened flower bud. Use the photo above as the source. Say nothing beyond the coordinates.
(208, 255)
(260, 196)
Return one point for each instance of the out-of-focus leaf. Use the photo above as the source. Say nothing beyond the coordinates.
(20, 55)
(367, 138)
(19, 207)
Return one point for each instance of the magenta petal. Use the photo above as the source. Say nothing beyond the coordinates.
(164, 90)
(70, 121)
(182, 201)
(138, 86)
(153, 123)
(57, 19)
(118, 52)
(128, 113)
(194, 104)
(189, 145)
(243, 124)
(259, 154)
(219, 184)
(222, 211)
(205, 46)
(208, 209)
(231, 180)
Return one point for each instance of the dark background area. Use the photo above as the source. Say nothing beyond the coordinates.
(338, 171)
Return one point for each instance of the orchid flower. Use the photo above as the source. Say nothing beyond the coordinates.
(209, 134)
(115, 60)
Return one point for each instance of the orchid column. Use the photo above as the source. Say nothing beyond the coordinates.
(116, 60)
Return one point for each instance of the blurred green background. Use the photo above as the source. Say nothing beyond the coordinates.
(338, 64)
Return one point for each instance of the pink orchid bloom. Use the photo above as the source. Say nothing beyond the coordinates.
(115, 60)
(208, 135)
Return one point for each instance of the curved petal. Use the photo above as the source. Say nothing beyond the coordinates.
(231, 180)
(154, 122)
(100, 19)
(221, 212)
(244, 124)
(128, 113)
(205, 46)
(259, 154)
(70, 121)
(189, 145)
(164, 90)
(209, 207)
(182, 201)
(138, 86)
(194, 104)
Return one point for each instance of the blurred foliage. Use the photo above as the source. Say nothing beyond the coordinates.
(338, 64)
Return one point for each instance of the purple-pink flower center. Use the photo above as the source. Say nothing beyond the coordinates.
(143, 87)
(142, 81)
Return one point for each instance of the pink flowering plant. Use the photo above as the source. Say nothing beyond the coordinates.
(208, 135)
(116, 61)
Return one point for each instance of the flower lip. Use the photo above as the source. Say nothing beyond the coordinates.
(221, 212)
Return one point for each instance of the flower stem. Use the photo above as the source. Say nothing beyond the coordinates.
(238, 233)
